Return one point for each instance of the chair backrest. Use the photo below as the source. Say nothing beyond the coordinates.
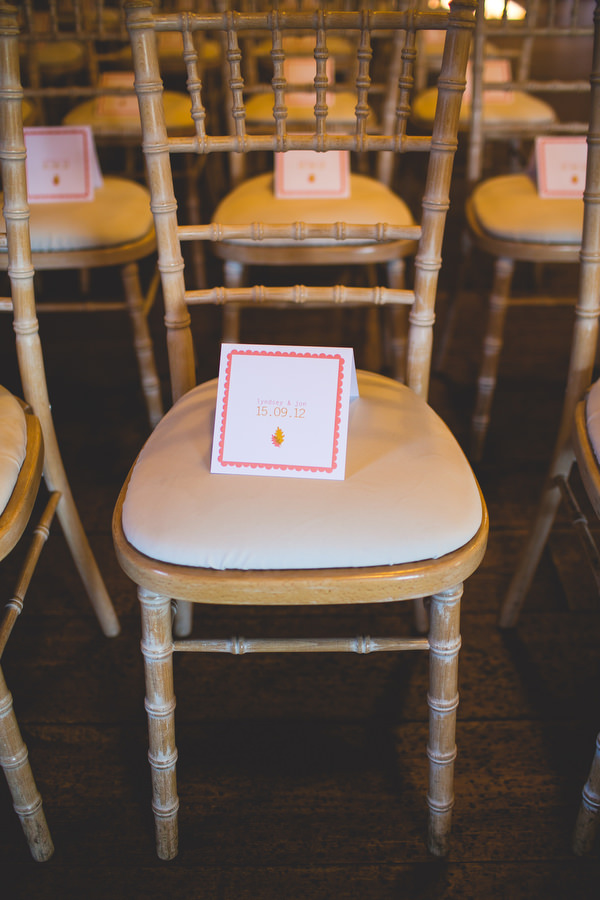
(440, 148)
(524, 38)
(17, 245)
(89, 33)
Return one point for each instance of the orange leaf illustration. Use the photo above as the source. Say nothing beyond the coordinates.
(278, 438)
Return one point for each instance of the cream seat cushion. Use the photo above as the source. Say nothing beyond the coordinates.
(118, 214)
(340, 110)
(409, 493)
(369, 203)
(521, 108)
(510, 207)
(592, 415)
(56, 58)
(339, 47)
(105, 124)
(13, 444)
(170, 52)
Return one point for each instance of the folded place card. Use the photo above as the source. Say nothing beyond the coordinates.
(283, 410)
(308, 173)
(120, 106)
(61, 164)
(560, 165)
(495, 71)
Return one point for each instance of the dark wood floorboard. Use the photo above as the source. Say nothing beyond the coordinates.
(304, 777)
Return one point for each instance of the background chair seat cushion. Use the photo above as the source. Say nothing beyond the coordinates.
(110, 125)
(13, 444)
(118, 214)
(592, 415)
(339, 47)
(341, 109)
(509, 207)
(254, 200)
(409, 493)
(58, 57)
(521, 108)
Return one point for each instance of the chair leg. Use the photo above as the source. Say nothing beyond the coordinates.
(398, 320)
(456, 296)
(233, 274)
(588, 818)
(142, 342)
(26, 798)
(31, 363)
(530, 556)
(157, 649)
(444, 645)
(492, 346)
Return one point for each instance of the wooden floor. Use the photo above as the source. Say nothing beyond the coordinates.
(304, 777)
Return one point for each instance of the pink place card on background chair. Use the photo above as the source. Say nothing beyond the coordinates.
(560, 165)
(62, 164)
(302, 174)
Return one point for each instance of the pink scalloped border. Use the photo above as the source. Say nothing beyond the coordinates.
(338, 407)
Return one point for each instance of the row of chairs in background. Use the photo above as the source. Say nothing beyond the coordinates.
(232, 240)
(510, 111)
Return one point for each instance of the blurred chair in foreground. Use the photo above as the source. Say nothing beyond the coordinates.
(407, 521)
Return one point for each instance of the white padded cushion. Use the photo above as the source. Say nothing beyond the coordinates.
(510, 207)
(369, 202)
(13, 444)
(178, 115)
(592, 415)
(409, 493)
(118, 214)
(520, 108)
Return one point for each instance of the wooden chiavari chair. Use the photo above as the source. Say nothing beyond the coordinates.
(17, 258)
(407, 522)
